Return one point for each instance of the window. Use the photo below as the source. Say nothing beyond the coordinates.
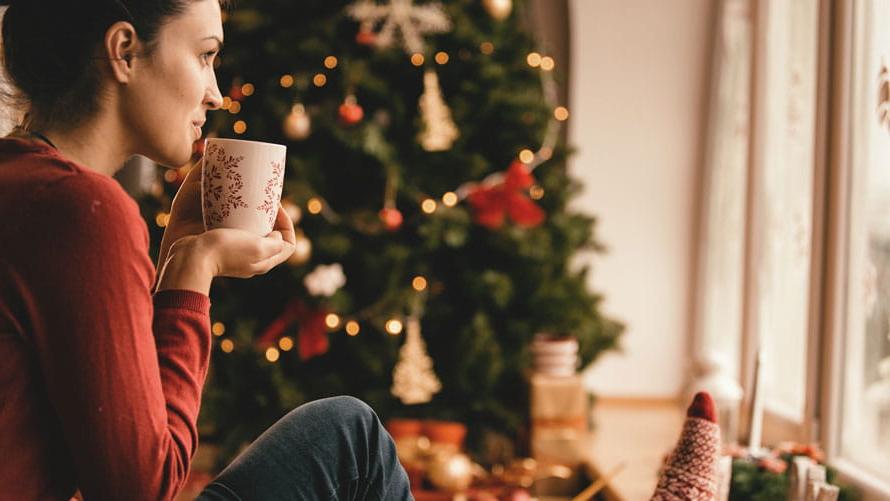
(782, 191)
(864, 427)
(795, 253)
(720, 284)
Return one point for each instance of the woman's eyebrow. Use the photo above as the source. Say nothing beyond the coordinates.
(218, 40)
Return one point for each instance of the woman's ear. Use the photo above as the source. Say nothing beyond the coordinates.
(121, 47)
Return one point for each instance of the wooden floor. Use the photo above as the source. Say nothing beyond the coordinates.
(638, 434)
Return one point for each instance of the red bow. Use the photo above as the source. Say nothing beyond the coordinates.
(312, 336)
(493, 204)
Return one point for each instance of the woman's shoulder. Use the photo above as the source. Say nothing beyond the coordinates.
(46, 178)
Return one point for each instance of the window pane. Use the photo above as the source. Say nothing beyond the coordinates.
(865, 435)
(722, 263)
(783, 199)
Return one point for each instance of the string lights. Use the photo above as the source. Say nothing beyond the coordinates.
(428, 204)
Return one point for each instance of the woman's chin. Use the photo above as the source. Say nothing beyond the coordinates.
(173, 158)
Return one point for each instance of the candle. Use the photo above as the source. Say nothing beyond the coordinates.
(756, 421)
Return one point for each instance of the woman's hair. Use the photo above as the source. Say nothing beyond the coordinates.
(51, 49)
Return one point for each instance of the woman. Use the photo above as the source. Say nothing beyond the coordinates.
(103, 359)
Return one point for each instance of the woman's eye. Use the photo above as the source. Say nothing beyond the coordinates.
(208, 56)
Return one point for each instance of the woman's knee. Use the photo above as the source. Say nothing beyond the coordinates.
(339, 410)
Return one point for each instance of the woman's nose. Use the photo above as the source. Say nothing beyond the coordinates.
(214, 99)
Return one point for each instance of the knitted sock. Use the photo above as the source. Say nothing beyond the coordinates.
(690, 473)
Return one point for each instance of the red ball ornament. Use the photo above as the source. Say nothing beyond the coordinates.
(236, 93)
(365, 37)
(392, 218)
(350, 111)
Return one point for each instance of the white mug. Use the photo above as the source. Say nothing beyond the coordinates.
(241, 183)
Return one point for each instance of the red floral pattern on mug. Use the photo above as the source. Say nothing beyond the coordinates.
(273, 193)
(222, 181)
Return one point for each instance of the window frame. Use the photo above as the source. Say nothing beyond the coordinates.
(778, 426)
(827, 315)
(840, 26)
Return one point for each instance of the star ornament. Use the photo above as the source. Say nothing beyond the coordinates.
(493, 204)
(411, 22)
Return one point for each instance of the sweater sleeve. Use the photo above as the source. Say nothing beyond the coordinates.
(123, 370)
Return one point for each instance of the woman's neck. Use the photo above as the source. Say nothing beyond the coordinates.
(97, 144)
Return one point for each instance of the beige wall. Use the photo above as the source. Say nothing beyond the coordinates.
(639, 79)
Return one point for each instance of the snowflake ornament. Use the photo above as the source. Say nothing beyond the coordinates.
(411, 21)
(325, 280)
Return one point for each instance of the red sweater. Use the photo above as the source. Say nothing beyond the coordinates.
(100, 382)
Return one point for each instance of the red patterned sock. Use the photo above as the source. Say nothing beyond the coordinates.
(690, 473)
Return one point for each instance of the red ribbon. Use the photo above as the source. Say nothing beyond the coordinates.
(312, 334)
(493, 204)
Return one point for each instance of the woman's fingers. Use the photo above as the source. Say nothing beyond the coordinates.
(267, 264)
(239, 253)
(285, 226)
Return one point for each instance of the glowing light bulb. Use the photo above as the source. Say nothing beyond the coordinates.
(352, 328)
(449, 199)
(394, 327)
(286, 343)
(332, 320)
(428, 206)
(314, 206)
(419, 283)
(526, 156)
(272, 354)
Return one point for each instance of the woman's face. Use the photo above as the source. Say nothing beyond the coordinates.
(175, 86)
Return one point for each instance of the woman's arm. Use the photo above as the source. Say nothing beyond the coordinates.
(122, 369)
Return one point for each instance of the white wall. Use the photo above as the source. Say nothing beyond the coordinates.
(639, 78)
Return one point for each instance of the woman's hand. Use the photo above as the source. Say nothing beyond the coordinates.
(224, 251)
(242, 254)
(194, 260)
(186, 218)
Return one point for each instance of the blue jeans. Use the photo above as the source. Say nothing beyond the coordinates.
(330, 449)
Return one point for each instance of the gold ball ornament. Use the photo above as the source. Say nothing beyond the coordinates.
(293, 210)
(303, 250)
(297, 124)
(450, 471)
(412, 449)
(498, 9)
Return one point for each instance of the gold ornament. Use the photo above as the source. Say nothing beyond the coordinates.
(413, 379)
(498, 9)
(297, 125)
(293, 211)
(303, 250)
(450, 471)
(439, 131)
(412, 449)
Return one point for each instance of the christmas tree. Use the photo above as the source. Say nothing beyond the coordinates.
(428, 182)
